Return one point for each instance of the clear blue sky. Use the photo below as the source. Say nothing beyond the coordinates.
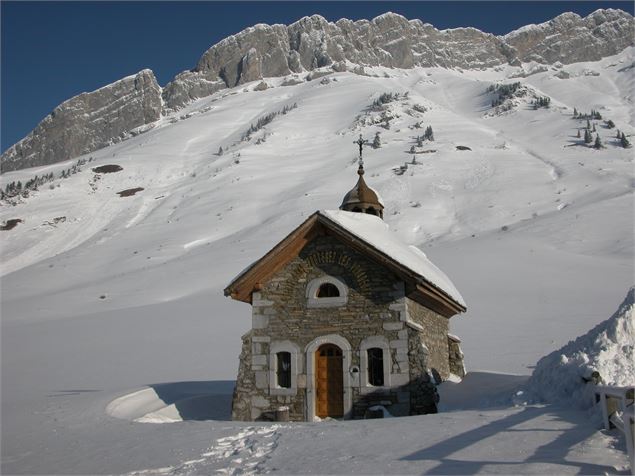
(52, 51)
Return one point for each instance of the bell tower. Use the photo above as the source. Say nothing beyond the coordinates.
(361, 198)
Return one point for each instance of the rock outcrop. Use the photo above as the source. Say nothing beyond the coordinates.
(88, 122)
(569, 38)
(93, 120)
(393, 41)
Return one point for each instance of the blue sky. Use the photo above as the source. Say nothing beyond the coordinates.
(52, 51)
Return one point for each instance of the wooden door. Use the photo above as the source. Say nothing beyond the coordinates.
(329, 382)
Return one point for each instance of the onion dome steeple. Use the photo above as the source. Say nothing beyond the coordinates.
(362, 198)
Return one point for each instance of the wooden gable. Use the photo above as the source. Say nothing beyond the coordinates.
(417, 288)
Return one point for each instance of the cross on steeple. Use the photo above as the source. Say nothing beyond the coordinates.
(361, 143)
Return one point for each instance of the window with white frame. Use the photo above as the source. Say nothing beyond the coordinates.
(375, 369)
(326, 291)
(374, 357)
(283, 369)
(285, 364)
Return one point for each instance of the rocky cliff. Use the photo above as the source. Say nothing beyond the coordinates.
(88, 122)
(93, 120)
(393, 41)
(569, 38)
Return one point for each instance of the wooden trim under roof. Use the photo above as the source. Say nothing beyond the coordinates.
(418, 288)
(244, 284)
(424, 292)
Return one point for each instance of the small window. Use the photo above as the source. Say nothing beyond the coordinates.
(376, 367)
(327, 290)
(283, 369)
(357, 210)
(371, 211)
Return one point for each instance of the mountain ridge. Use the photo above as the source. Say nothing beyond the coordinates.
(87, 122)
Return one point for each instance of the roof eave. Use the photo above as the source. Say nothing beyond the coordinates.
(236, 288)
(430, 289)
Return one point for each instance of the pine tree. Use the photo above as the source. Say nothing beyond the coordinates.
(220, 150)
(618, 135)
(598, 142)
(376, 141)
(588, 124)
(593, 128)
(575, 112)
(624, 142)
(578, 133)
(587, 136)
(412, 149)
(610, 124)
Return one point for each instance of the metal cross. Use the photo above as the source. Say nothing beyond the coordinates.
(361, 143)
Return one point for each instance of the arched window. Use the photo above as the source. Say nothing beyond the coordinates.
(375, 363)
(328, 290)
(375, 366)
(283, 369)
(371, 211)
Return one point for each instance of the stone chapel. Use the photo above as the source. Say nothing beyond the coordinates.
(345, 317)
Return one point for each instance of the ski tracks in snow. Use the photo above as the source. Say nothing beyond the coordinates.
(241, 454)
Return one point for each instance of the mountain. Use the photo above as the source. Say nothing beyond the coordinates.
(93, 120)
(114, 268)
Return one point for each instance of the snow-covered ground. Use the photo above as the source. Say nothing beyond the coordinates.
(535, 231)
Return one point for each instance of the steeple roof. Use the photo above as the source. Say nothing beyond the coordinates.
(361, 198)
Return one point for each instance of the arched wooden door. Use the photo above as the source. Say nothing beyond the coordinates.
(329, 382)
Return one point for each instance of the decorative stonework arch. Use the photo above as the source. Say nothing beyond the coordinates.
(313, 287)
(347, 354)
(296, 366)
(368, 343)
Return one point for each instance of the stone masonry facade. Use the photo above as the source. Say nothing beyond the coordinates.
(374, 313)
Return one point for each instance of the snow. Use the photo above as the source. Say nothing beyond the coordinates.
(374, 231)
(534, 276)
(607, 348)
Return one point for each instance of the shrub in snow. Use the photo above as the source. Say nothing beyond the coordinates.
(564, 375)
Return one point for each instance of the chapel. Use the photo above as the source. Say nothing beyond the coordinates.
(346, 319)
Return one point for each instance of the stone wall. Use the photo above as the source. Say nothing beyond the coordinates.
(434, 336)
(241, 404)
(457, 364)
(375, 306)
(421, 388)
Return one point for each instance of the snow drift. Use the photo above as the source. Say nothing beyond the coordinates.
(561, 376)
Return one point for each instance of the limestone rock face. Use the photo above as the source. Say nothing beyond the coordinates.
(569, 38)
(187, 86)
(393, 41)
(93, 120)
(88, 122)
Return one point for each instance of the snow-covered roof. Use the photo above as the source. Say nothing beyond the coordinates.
(375, 237)
(375, 232)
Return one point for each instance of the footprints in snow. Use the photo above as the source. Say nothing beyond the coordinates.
(240, 454)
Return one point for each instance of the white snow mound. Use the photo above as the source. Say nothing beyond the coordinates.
(607, 348)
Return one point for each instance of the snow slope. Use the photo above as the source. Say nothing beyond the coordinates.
(535, 231)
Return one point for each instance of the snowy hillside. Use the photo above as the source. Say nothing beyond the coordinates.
(103, 294)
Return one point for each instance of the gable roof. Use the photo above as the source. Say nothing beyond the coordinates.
(370, 235)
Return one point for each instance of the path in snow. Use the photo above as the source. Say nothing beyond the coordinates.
(243, 453)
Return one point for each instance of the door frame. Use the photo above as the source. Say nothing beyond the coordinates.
(347, 353)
